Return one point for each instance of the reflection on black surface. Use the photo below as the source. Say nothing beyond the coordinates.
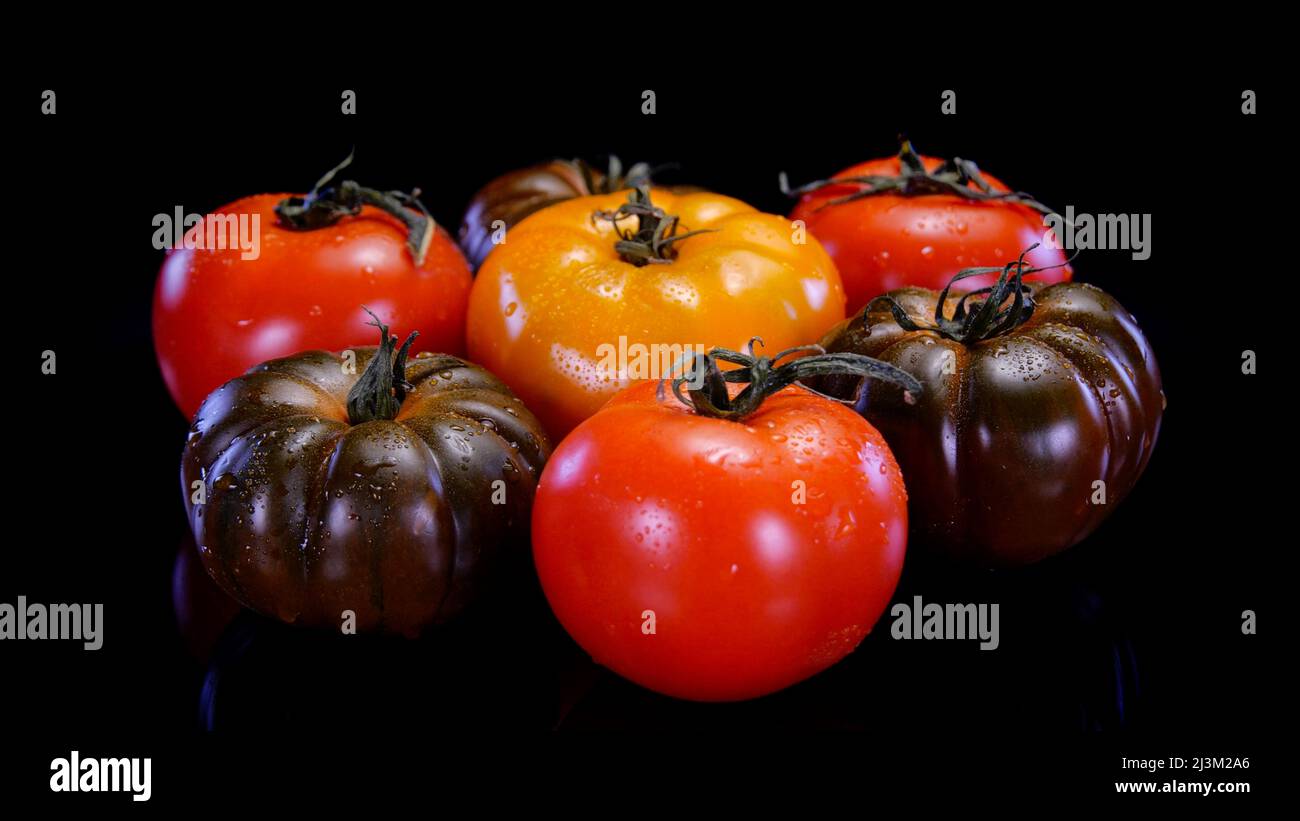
(201, 608)
(1063, 664)
(494, 667)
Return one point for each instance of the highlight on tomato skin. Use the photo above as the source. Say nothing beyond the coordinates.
(913, 234)
(735, 558)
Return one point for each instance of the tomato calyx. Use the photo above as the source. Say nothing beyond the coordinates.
(379, 393)
(656, 232)
(613, 179)
(326, 204)
(983, 319)
(706, 383)
(955, 176)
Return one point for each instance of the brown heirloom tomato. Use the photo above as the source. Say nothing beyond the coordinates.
(516, 194)
(378, 494)
(1031, 395)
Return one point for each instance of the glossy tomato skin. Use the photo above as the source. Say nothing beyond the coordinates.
(548, 301)
(1004, 445)
(515, 195)
(308, 514)
(881, 243)
(649, 507)
(216, 315)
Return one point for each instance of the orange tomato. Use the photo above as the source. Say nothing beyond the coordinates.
(565, 318)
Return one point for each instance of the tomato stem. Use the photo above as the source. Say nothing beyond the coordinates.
(378, 394)
(326, 204)
(985, 318)
(613, 179)
(706, 383)
(955, 176)
(656, 232)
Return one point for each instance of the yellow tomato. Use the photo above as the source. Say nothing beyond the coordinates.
(568, 319)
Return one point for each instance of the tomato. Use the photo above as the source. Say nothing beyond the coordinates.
(721, 558)
(569, 288)
(507, 200)
(215, 314)
(1026, 408)
(511, 197)
(914, 233)
(395, 489)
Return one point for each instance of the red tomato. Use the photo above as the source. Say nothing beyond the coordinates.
(763, 549)
(887, 241)
(215, 315)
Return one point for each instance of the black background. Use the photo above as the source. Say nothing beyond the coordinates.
(1135, 633)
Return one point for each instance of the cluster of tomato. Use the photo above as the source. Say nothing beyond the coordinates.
(720, 532)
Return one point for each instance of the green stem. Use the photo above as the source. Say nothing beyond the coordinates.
(956, 176)
(326, 204)
(706, 383)
(378, 394)
(656, 232)
(614, 179)
(985, 318)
